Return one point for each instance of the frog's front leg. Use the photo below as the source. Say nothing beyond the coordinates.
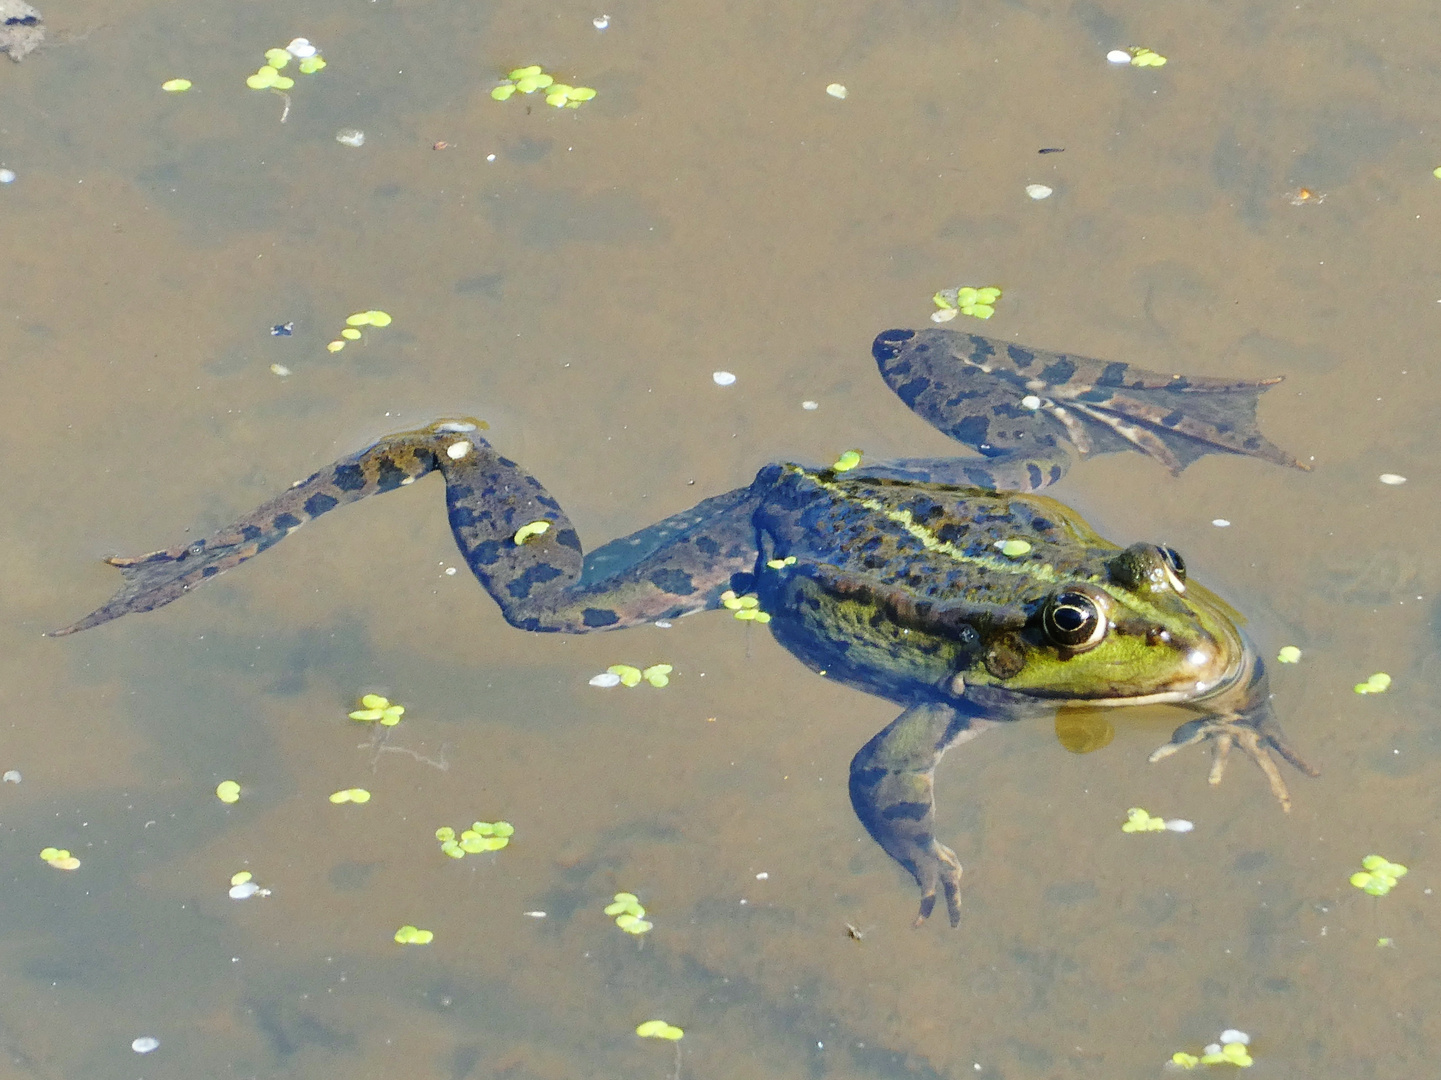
(892, 782)
(1242, 716)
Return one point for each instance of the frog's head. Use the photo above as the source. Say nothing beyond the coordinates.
(1135, 633)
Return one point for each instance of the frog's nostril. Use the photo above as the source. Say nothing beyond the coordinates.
(889, 342)
(1158, 635)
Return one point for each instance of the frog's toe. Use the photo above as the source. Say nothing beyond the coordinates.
(938, 867)
(1257, 741)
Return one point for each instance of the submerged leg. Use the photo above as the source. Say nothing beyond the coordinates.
(892, 782)
(535, 574)
(1020, 406)
(154, 580)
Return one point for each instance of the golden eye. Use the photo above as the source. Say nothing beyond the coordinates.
(1074, 620)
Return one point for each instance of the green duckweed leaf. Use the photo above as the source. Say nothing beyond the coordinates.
(311, 64)
(227, 791)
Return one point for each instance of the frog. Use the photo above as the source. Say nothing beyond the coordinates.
(945, 585)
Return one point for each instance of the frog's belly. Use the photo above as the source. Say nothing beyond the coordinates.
(853, 641)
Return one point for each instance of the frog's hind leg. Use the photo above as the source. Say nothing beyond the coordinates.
(892, 790)
(1014, 403)
(521, 546)
(154, 580)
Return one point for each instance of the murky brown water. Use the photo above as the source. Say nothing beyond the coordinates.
(712, 208)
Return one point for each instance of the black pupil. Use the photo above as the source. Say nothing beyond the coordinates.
(1070, 619)
(1173, 557)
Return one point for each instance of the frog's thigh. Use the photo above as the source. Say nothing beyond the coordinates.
(1013, 471)
(892, 790)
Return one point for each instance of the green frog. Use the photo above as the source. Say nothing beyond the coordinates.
(940, 584)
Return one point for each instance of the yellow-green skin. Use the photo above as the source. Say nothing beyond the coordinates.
(932, 582)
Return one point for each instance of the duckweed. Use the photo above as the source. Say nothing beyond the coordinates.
(354, 322)
(977, 303)
(535, 528)
(1014, 549)
(628, 913)
(745, 608)
(659, 1029)
(1289, 654)
(527, 80)
(268, 77)
(410, 935)
(1378, 876)
(227, 791)
(481, 836)
(311, 64)
(60, 858)
(350, 795)
(781, 564)
(1232, 1053)
(1138, 820)
(350, 334)
(657, 675)
(374, 708)
(1144, 57)
(847, 461)
(176, 86)
(1378, 683)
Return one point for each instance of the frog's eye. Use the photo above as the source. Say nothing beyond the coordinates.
(1074, 620)
(1175, 568)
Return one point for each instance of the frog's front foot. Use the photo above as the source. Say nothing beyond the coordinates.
(1257, 738)
(936, 865)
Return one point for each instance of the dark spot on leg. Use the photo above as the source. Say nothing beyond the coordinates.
(567, 538)
(1023, 358)
(1173, 418)
(319, 503)
(910, 391)
(1059, 372)
(251, 532)
(389, 475)
(349, 478)
(599, 617)
(707, 545)
(675, 582)
(535, 575)
(484, 554)
(908, 811)
(971, 431)
(889, 342)
(1033, 473)
(286, 521)
(1113, 375)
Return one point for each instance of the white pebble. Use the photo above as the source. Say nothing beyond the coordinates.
(457, 450)
(1231, 1035)
(600, 22)
(12, 776)
(1220, 523)
(489, 157)
(145, 1044)
(664, 624)
(534, 914)
(1212, 1048)
(350, 137)
(945, 314)
(836, 90)
(1030, 401)
(279, 369)
(762, 876)
(723, 378)
(810, 406)
(7, 176)
(606, 679)
(300, 48)
(450, 571)
(1118, 56)
(1392, 478)
(1180, 825)
(244, 891)
(1038, 191)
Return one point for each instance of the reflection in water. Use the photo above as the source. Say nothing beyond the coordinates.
(575, 276)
